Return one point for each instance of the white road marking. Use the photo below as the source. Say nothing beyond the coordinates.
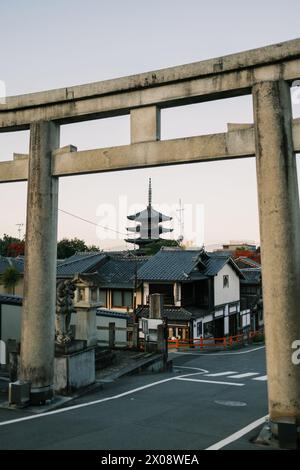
(210, 381)
(263, 378)
(95, 402)
(219, 374)
(218, 353)
(193, 368)
(237, 435)
(242, 376)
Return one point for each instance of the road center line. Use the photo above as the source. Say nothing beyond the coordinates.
(210, 381)
(237, 435)
(192, 368)
(219, 374)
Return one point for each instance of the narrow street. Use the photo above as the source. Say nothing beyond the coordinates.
(203, 402)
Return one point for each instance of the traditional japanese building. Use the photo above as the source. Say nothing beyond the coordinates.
(148, 226)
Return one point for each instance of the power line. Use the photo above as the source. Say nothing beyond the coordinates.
(93, 223)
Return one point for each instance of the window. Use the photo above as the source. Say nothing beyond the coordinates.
(225, 280)
(127, 298)
(208, 329)
(102, 297)
(166, 289)
(117, 298)
(122, 298)
(199, 328)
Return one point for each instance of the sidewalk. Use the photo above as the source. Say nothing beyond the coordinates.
(126, 363)
(129, 362)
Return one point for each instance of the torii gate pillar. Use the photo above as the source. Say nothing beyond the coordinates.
(280, 244)
(38, 316)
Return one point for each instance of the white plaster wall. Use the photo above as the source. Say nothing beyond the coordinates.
(103, 334)
(11, 322)
(226, 325)
(223, 295)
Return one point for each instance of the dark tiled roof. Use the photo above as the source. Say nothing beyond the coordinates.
(119, 272)
(84, 254)
(90, 278)
(149, 212)
(169, 265)
(197, 312)
(10, 299)
(184, 265)
(172, 313)
(6, 262)
(112, 313)
(243, 263)
(79, 264)
(215, 263)
(81, 254)
(252, 275)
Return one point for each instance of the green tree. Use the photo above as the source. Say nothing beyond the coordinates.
(68, 247)
(6, 243)
(9, 278)
(93, 248)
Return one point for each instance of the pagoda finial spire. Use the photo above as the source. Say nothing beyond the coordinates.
(149, 194)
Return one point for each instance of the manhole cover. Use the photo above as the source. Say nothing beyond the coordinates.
(230, 403)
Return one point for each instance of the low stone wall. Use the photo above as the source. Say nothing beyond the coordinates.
(74, 371)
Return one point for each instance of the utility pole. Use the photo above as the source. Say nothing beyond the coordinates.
(135, 287)
(135, 331)
(181, 221)
(20, 229)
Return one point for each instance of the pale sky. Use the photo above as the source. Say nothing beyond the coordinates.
(46, 45)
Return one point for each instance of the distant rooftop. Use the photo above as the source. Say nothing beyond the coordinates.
(172, 313)
(17, 263)
(184, 265)
(10, 299)
(251, 275)
(79, 263)
(120, 272)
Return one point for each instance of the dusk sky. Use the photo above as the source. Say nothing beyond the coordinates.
(47, 45)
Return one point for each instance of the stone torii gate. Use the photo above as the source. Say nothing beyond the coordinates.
(267, 74)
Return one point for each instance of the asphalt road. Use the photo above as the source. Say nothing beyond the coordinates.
(205, 400)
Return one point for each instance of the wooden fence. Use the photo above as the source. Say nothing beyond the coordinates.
(208, 344)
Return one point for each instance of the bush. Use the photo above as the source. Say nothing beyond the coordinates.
(259, 337)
